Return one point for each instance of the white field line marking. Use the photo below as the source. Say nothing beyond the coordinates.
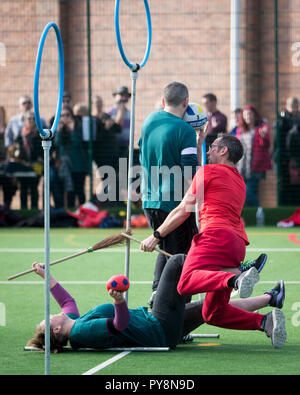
(29, 250)
(111, 250)
(106, 363)
(22, 250)
(87, 282)
(123, 354)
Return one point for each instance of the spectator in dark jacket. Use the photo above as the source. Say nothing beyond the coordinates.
(217, 121)
(293, 152)
(33, 155)
(7, 183)
(72, 152)
(289, 118)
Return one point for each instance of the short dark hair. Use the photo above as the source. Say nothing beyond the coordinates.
(238, 110)
(210, 97)
(235, 147)
(175, 93)
(67, 94)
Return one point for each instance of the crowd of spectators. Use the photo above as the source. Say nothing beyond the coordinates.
(21, 153)
(287, 151)
(254, 131)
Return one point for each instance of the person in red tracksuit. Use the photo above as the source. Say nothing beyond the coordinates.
(219, 190)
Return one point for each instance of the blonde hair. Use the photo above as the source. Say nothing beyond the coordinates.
(57, 342)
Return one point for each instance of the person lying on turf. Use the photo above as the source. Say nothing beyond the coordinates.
(114, 325)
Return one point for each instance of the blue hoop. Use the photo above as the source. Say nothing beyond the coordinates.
(133, 66)
(45, 133)
(203, 156)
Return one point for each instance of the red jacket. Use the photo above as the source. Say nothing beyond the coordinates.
(261, 159)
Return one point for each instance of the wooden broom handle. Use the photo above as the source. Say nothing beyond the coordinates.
(81, 253)
(51, 263)
(139, 241)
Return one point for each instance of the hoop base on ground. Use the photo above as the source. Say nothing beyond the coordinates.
(203, 335)
(70, 349)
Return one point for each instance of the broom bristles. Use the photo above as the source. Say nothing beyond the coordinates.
(111, 241)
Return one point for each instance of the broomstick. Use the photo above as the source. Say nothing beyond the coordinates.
(109, 241)
(128, 236)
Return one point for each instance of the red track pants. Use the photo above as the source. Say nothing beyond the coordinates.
(210, 252)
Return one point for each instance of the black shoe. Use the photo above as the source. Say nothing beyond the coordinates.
(277, 295)
(258, 263)
(187, 339)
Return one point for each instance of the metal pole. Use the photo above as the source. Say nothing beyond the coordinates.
(46, 144)
(46, 135)
(134, 76)
(278, 159)
(234, 55)
(90, 146)
(134, 67)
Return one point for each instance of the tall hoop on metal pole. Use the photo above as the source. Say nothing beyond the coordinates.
(134, 67)
(47, 135)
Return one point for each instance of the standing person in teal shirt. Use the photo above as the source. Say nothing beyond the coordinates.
(69, 143)
(169, 159)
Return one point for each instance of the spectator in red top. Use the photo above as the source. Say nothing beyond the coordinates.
(217, 122)
(254, 135)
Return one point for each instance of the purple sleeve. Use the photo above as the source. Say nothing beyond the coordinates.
(65, 300)
(121, 319)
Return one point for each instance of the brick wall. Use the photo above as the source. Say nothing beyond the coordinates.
(21, 24)
(190, 43)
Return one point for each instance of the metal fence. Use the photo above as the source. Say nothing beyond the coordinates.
(246, 53)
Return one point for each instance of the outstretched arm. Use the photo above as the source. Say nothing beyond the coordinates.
(62, 297)
(176, 217)
(40, 270)
(122, 317)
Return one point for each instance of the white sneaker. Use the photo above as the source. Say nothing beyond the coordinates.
(245, 282)
(275, 327)
(151, 300)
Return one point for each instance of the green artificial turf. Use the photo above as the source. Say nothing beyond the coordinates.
(235, 352)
